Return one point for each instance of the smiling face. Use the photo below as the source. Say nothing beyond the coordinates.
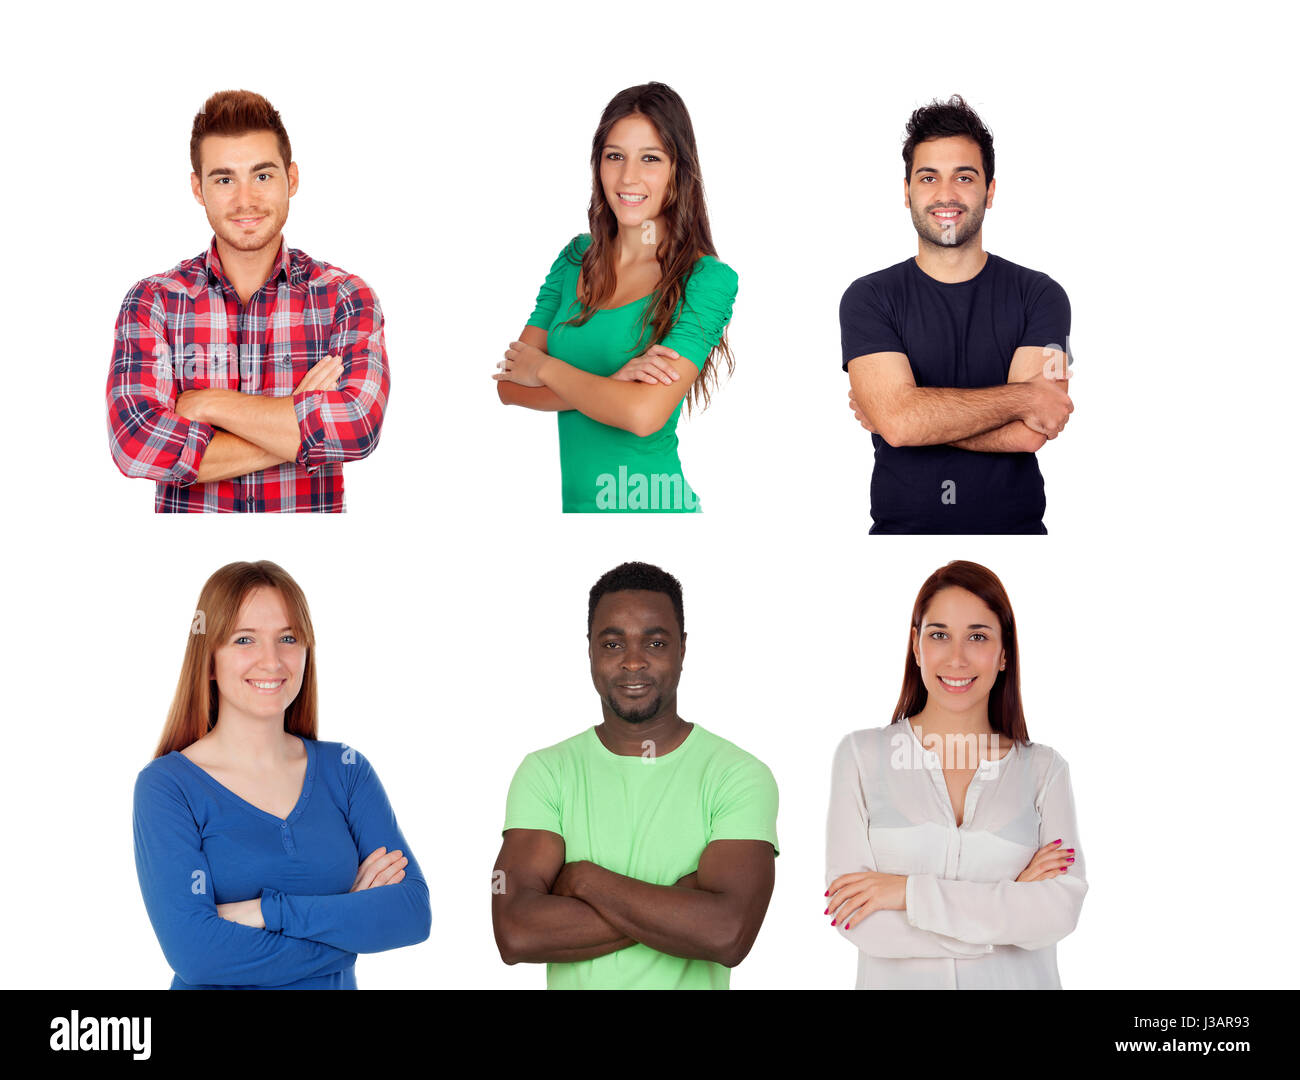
(259, 667)
(636, 652)
(946, 192)
(634, 171)
(245, 188)
(959, 650)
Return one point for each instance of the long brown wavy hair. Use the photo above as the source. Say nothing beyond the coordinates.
(193, 711)
(684, 214)
(1006, 716)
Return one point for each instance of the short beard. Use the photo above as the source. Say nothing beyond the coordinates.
(952, 237)
(639, 716)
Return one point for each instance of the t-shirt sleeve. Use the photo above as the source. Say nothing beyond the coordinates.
(1047, 321)
(552, 293)
(705, 311)
(176, 880)
(533, 801)
(744, 806)
(369, 920)
(866, 323)
(1030, 914)
(848, 851)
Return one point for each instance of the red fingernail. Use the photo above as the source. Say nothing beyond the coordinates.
(826, 893)
(827, 911)
(1069, 849)
(1064, 869)
(1056, 841)
(1069, 860)
(832, 922)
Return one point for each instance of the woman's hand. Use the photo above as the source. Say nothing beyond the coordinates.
(382, 867)
(651, 367)
(1049, 861)
(855, 896)
(244, 912)
(521, 364)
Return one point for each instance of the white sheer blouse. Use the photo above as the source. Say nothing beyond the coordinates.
(969, 925)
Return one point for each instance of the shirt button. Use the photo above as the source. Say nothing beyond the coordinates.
(284, 824)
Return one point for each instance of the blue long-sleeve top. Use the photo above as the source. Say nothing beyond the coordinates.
(198, 844)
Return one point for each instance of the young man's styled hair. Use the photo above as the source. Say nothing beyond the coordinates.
(942, 119)
(637, 575)
(237, 112)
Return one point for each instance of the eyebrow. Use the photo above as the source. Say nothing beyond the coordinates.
(653, 631)
(959, 168)
(972, 626)
(260, 167)
(253, 630)
(615, 146)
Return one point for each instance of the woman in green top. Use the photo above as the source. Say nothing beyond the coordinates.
(631, 317)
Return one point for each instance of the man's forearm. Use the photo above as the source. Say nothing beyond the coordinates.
(687, 922)
(228, 455)
(539, 928)
(929, 415)
(1016, 437)
(269, 422)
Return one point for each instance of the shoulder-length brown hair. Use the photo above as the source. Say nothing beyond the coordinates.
(193, 711)
(1006, 716)
(684, 214)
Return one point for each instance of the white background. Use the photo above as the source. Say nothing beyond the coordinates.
(1145, 159)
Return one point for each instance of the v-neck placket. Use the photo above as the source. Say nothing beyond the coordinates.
(286, 824)
(934, 768)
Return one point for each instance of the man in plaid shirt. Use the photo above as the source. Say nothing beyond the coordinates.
(243, 379)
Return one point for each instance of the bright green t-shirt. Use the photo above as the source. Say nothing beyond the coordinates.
(605, 469)
(645, 817)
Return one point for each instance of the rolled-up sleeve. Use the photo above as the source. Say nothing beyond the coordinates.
(343, 425)
(146, 436)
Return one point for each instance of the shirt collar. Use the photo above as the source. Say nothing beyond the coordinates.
(280, 269)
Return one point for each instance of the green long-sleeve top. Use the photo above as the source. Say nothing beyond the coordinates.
(604, 468)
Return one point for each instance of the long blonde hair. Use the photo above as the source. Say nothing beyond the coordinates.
(193, 711)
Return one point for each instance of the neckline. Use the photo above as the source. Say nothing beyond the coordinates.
(988, 261)
(307, 780)
(639, 759)
(642, 299)
(999, 762)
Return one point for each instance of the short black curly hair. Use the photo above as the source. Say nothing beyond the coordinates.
(637, 575)
(941, 119)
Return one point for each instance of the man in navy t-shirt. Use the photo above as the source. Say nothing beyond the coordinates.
(957, 358)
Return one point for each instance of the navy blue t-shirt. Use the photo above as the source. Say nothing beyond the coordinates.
(962, 335)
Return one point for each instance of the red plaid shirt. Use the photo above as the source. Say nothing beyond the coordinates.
(186, 330)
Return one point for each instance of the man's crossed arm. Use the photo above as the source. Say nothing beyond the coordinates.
(254, 432)
(551, 912)
(1020, 416)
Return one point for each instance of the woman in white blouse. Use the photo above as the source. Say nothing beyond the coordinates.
(952, 856)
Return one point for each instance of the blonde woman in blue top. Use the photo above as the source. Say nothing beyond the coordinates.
(267, 859)
(631, 320)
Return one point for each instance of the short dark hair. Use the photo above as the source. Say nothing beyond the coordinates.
(941, 119)
(637, 575)
(237, 112)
